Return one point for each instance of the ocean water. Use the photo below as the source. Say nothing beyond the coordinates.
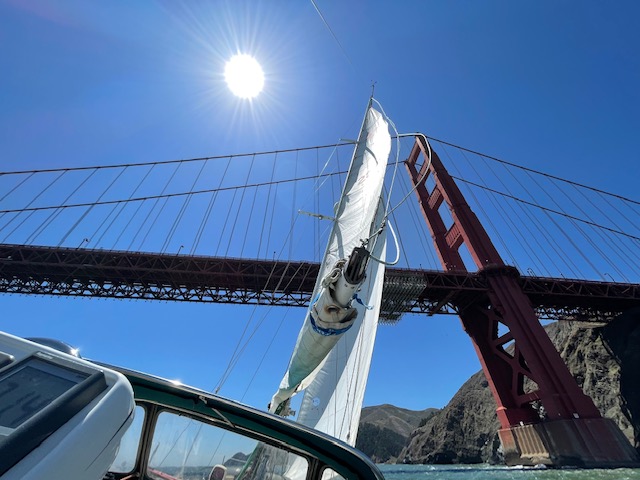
(492, 472)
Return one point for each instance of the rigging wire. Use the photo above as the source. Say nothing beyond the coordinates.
(339, 180)
(421, 233)
(266, 351)
(387, 211)
(240, 348)
(289, 241)
(395, 240)
(426, 169)
(397, 161)
(332, 33)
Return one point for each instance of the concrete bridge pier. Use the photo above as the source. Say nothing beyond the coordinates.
(577, 442)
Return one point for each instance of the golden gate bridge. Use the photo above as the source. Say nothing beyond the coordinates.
(250, 228)
(228, 229)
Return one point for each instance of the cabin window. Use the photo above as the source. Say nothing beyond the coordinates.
(330, 474)
(125, 461)
(185, 448)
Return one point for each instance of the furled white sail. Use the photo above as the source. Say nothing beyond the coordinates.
(333, 351)
(333, 401)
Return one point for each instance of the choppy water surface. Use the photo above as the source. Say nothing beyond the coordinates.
(492, 472)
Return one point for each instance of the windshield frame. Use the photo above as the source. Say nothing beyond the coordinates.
(156, 395)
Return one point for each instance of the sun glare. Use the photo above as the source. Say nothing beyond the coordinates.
(244, 76)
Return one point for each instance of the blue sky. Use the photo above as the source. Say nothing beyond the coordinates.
(552, 85)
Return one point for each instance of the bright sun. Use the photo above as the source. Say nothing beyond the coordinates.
(244, 76)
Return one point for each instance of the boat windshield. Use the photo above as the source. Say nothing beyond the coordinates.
(185, 448)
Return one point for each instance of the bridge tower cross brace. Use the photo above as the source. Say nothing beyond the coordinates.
(544, 415)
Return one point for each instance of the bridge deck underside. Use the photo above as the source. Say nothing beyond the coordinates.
(150, 276)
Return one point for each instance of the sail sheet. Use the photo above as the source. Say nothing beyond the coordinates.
(331, 373)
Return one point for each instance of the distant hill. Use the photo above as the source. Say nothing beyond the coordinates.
(400, 420)
(385, 429)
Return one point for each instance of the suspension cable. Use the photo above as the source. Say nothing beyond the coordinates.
(566, 215)
(167, 162)
(538, 172)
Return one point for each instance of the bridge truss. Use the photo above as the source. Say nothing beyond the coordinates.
(151, 276)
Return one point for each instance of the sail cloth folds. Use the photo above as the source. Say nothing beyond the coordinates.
(357, 224)
(333, 401)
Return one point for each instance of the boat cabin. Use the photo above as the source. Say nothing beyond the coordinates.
(74, 419)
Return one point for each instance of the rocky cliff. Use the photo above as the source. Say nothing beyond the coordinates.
(385, 429)
(604, 361)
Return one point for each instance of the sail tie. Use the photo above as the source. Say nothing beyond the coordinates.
(359, 300)
(327, 332)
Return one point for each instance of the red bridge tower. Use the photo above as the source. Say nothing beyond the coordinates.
(548, 419)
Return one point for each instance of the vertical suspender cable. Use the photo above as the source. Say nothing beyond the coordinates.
(212, 202)
(185, 204)
(266, 208)
(88, 210)
(233, 226)
(166, 185)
